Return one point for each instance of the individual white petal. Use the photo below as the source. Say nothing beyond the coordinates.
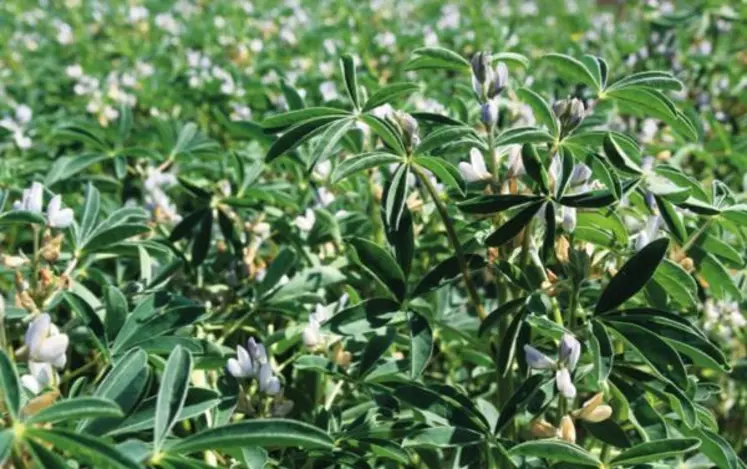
(478, 162)
(261, 355)
(60, 361)
(42, 372)
(245, 361)
(264, 376)
(565, 383)
(537, 359)
(311, 336)
(54, 205)
(30, 383)
(570, 351)
(51, 349)
(468, 174)
(35, 196)
(273, 386)
(37, 332)
(234, 368)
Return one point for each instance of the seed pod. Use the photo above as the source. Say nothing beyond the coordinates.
(567, 429)
(541, 428)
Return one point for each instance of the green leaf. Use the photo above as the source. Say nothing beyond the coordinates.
(523, 135)
(714, 447)
(362, 162)
(602, 350)
(609, 432)
(201, 241)
(351, 81)
(607, 221)
(572, 70)
(106, 238)
(421, 343)
(88, 448)
(389, 135)
(389, 93)
(672, 219)
(124, 384)
(507, 348)
(66, 167)
(511, 58)
(556, 450)
(494, 203)
(633, 275)
(90, 212)
(22, 217)
(6, 444)
(364, 317)
(444, 171)
(395, 197)
(519, 400)
(269, 433)
(381, 265)
(116, 311)
(442, 437)
(292, 96)
(534, 168)
(541, 109)
(9, 385)
(283, 262)
(171, 393)
(618, 157)
(329, 139)
(661, 356)
(652, 79)
(513, 227)
(375, 348)
(441, 137)
(77, 408)
(445, 273)
(603, 170)
(711, 244)
(437, 57)
(493, 319)
(678, 284)
(288, 119)
(297, 135)
(402, 240)
(655, 451)
(718, 279)
(45, 457)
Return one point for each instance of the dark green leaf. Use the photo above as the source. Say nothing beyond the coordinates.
(381, 265)
(556, 450)
(77, 408)
(351, 81)
(513, 227)
(362, 162)
(494, 203)
(389, 93)
(655, 451)
(171, 393)
(421, 344)
(10, 387)
(633, 275)
(446, 272)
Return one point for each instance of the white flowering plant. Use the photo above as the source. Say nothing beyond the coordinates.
(298, 234)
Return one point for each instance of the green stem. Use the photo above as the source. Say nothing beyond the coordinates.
(491, 157)
(451, 232)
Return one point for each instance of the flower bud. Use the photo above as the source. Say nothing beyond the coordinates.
(541, 428)
(489, 113)
(570, 113)
(408, 128)
(564, 383)
(569, 219)
(570, 351)
(567, 429)
(481, 74)
(594, 410)
(536, 359)
(500, 80)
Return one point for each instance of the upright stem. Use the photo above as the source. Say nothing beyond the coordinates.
(491, 157)
(451, 232)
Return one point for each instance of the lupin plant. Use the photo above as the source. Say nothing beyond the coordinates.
(224, 251)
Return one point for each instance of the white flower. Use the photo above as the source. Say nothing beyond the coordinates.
(475, 170)
(569, 351)
(58, 217)
(564, 383)
(312, 336)
(74, 71)
(268, 383)
(257, 351)
(569, 218)
(40, 376)
(325, 197)
(24, 114)
(45, 343)
(31, 200)
(515, 163)
(306, 221)
(537, 359)
(241, 366)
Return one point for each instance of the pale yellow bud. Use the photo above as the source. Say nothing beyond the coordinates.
(567, 429)
(542, 429)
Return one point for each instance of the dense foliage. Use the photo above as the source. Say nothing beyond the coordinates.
(386, 234)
